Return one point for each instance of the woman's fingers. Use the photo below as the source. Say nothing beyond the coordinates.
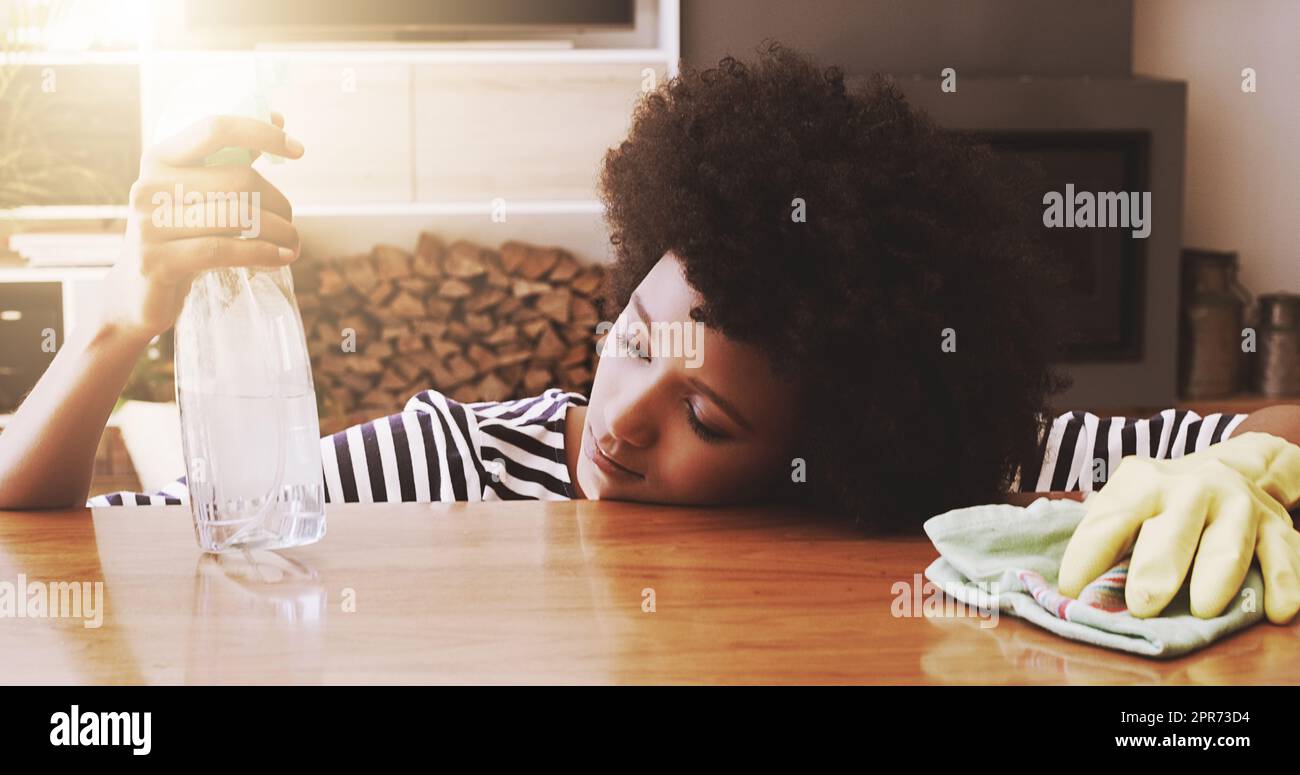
(1278, 549)
(1110, 526)
(204, 138)
(187, 216)
(177, 259)
(210, 184)
(1165, 547)
(277, 120)
(259, 224)
(1105, 535)
(1227, 546)
(1282, 480)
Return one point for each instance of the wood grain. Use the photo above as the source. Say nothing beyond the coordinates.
(536, 593)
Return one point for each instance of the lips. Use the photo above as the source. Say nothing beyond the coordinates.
(606, 463)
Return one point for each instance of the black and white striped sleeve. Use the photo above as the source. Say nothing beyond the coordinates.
(523, 446)
(175, 493)
(435, 449)
(421, 454)
(1080, 449)
(424, 453)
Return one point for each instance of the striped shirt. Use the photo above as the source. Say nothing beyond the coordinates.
(514, 450)
(1081, 450)
(435, 449)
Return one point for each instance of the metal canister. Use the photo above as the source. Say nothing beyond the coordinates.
(1214, 305)
(1278, 365)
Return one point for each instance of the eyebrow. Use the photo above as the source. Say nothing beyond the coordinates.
(722, 403)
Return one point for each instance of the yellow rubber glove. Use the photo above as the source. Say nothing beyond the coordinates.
(1272, 463)
(1211, 512)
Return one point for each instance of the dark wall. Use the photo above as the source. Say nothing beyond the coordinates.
(977, 37)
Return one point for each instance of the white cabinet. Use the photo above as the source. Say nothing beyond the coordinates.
(355, 120)
(353, 117)
(527, 131)
(405, 137)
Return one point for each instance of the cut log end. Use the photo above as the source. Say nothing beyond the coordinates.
(474, 323)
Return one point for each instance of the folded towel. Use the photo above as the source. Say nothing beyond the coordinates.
(1010, 556)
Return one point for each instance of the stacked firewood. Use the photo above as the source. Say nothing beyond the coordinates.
(475, 323)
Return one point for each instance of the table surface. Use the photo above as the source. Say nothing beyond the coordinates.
(534, 592)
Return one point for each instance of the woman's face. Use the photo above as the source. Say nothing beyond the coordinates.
(679, 413)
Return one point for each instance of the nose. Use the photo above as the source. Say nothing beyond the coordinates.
(630, 417)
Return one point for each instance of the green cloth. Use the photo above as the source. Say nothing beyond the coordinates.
(984, 548)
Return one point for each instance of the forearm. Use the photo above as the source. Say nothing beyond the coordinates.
(47, 450)
(1282, 421)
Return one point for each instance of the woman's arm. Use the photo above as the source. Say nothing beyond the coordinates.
(47, 451)
(1282, 421)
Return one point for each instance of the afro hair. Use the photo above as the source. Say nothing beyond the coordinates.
(907, 304)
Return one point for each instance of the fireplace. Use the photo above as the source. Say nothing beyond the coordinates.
(1111, 134)
(1104, 267)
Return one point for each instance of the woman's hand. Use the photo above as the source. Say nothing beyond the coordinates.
(1209, 514)
(146, 288)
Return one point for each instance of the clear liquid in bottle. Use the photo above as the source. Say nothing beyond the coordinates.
(249, 424)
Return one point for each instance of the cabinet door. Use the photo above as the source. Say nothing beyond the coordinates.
(520, 131)
(353, 117)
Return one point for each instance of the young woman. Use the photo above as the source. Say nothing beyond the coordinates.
(871, 306)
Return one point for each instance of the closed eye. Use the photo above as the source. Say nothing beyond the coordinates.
(703, 431)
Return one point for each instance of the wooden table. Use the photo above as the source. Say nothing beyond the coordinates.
(536, 592)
